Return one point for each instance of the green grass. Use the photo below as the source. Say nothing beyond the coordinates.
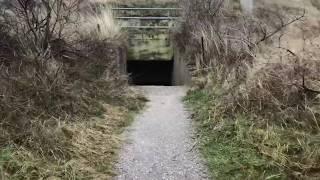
(226, 143)
(5, 156)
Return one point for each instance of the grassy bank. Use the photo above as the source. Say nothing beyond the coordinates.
(255, 90)
(238, 146)
(63, 97)
(90, 150)
(227, 144)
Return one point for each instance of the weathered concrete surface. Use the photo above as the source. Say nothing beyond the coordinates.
(149, 46)
(181, 73)
(160, 144)
(247, 5)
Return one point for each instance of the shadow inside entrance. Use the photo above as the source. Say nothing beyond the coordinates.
(157, 73)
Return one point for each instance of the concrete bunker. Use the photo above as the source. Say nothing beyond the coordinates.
(150, 57)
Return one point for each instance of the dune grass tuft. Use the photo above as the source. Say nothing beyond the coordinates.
(100, 25)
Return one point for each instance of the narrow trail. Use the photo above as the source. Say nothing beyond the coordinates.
(159, 143)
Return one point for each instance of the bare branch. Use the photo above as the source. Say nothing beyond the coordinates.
(267, 36)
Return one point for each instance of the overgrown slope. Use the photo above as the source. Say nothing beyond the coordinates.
(256, 87)
(63, 99)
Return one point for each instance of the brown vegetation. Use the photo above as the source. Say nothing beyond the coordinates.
(248, 64)
(52, 76)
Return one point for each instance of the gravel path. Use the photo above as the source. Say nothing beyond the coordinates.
(160, 144)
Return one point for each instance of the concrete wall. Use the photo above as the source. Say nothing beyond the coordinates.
(247, 5)
(122, 59)
(181, 73)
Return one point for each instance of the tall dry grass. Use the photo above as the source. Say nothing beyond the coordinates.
(100, 25)
(57, 68)
(242, 60)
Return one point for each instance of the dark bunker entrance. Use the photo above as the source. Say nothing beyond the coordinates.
(151, 72)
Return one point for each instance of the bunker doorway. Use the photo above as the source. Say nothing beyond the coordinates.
(157, 73)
